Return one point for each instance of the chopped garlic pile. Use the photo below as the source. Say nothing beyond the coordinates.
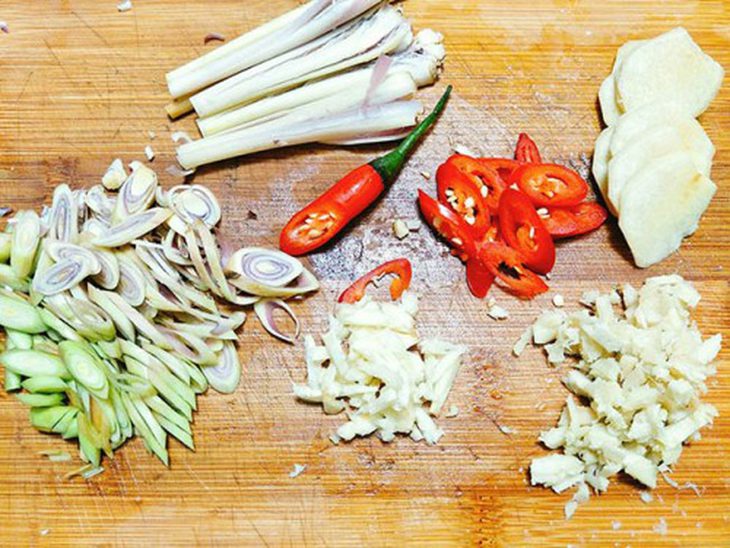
(374, 366)
(642, 366)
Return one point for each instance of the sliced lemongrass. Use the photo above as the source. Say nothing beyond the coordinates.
(273, 39)
(109, 274)
(191, 202)
(89, 320)
(265, 312)
(198, 382)
(149, 419)
(40, 400)
(26, 237)
(305, 283)
(9, 278)
(189, 346)
(6, 241)
(88, 440)
(11, 381)
(172, 252)
(45, 419)
(269, 267)
(142, 324)
(137, 193)
(20, 340)
(200, 267)
(88, 474)
(54, 455)
(63, 425)
(44, 344)
(160, 407)
(133, 227)
(132, 282)
(172, 362)
(110, 349)
(100, 203)
(225, 376)
(213, 260)
(60, 251)
(175, 431)
(61, 277)
(72, 429)
(84, 367)
(151, 441)
(32, 363)
(58, 326)
(114, 176)
(153, 257)
(45, 385)
(163, 387)
(102, 300)
(361, 40)
(339, 126)
(134, 384)
(64, 223)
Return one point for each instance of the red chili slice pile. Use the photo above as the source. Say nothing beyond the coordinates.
(500, 216)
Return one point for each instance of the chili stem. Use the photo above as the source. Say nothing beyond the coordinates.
(390, 165)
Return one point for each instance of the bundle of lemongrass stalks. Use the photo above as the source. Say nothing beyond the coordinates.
(331, 71)
(110, 306)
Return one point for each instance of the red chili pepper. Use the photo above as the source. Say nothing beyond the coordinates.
(527, 151)
(522, 229)
(321, 220)
(478, 278)
(550, 185)
(573, 221)
(464, 191)
(503, 166)
(448, 225)
(467, 176)
(402, 270)
(506, 265)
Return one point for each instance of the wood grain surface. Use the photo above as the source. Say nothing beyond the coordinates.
(81, 84)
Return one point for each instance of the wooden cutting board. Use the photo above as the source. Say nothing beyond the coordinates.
(81, 84)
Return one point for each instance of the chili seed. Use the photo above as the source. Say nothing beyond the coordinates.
(457, 241)
(314, 233)
(484, 191)
(469, 219)
(469, 202)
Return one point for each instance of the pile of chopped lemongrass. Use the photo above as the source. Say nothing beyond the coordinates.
(331, 71)
(110, 304)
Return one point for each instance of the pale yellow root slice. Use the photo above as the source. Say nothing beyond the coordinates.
(657, 142)
(601, 157)
(669, 67)
(661, 205)
(632, 125)
(611, 108)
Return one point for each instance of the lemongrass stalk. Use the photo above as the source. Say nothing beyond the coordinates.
(365, 39)
(279, 36)
(179, 107)
(45, 419)
(397, 115)
(421, 60)
(396, 86)
(26, 237)
(174, 430)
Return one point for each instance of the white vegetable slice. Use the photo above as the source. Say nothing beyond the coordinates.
(661, 205)
(610, 111)
(633, 125)
(133, 227)
(669, 67)
(601, 156)
(225, 376)
(657, 142)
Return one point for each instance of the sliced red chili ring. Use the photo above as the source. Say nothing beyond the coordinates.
(503, 166)
(465, 194)
(522, 229)
(402, 270)
(527, 151)
(573, 221)
(466, 172)
(507, 266)
(478, 278)
(550, 185)
(448, 225)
